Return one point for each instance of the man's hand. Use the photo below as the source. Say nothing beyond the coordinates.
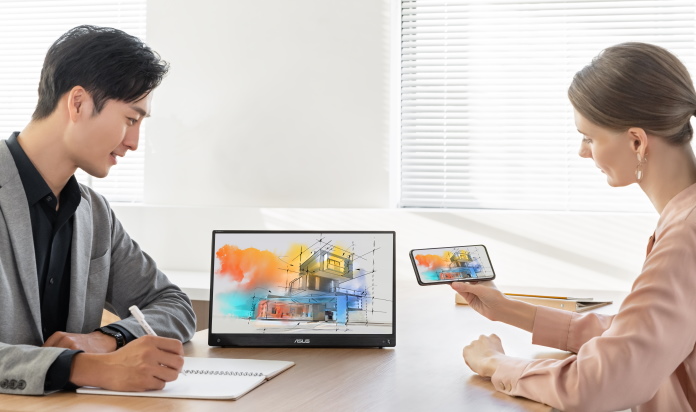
(146, 363)
(95, 342)
(484, 354)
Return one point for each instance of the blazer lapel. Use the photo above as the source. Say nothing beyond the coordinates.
(13, 204)
(79, 271)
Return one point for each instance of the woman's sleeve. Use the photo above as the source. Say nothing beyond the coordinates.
(642, 346)
(565, 330)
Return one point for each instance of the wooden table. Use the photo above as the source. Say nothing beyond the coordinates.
(425, 371)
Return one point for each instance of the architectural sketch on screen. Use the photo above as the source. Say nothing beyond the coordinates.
(455, 263)
(307, 283)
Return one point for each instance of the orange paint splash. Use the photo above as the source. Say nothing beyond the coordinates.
(250, 266)
(432, 261)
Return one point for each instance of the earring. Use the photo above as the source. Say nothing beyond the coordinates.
(639, 169)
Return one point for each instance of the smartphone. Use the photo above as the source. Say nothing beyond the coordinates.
(451, 264)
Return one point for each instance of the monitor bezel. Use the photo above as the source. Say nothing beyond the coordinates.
(379, 340)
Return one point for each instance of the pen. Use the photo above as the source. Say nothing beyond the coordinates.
(138, 315)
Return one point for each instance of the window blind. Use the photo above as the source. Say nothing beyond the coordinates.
(485, 119)
(27, 29)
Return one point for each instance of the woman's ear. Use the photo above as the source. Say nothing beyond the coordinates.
(639, 142)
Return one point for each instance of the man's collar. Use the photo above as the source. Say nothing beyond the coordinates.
(34, 184)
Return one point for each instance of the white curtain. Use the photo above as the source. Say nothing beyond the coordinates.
(485, 120)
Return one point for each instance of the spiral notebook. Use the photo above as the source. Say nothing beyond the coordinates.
(211, 378)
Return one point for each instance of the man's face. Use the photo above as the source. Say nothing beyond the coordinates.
(98, 140)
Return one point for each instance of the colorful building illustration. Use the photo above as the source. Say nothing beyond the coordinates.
(461, 266)
(317, 294)
(277, 308)
(450, 264)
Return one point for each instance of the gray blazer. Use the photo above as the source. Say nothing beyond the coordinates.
(109, 270)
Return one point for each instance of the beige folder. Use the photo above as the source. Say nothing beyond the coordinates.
(565, 303)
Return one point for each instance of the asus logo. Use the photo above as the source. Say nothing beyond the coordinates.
(301, 340)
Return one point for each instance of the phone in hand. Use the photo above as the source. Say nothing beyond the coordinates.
(451, 264)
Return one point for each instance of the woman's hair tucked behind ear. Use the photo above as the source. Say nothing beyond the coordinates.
(637, 85)
(108, 63)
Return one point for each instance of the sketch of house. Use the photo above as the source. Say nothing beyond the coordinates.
(316, 293)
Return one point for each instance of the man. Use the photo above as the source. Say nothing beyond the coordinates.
(63, 254)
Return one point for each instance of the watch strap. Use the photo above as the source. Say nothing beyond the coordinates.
(114, 333)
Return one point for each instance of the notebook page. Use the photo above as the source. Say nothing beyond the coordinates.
(201, 382)
(268, 368)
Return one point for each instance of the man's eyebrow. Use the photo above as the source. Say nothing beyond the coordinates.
(141, 111)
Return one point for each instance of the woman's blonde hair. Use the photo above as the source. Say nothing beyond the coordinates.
(637, 85)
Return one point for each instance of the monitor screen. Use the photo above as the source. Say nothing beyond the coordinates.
(291, 288)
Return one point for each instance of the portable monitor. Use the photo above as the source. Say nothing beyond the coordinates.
(302, 289)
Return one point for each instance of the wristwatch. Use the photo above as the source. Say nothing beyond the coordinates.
(114, 333)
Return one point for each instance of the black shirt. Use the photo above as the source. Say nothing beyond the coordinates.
(52, 233)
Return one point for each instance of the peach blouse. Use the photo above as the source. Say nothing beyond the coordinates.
(641, 358)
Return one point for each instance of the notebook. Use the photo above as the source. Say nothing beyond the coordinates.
(211, 378)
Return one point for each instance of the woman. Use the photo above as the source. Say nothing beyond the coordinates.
(633, 104)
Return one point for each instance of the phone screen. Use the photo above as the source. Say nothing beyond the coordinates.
(452, 264)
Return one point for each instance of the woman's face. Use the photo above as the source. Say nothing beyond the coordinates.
(613, 152)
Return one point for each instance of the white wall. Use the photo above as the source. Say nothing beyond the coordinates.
(270, 103)
(556, 250)
(276, 116)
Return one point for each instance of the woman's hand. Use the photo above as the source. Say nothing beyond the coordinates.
(483, 297)
(487, 300)
(483, 355)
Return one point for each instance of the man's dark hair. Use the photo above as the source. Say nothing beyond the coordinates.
(108, 63)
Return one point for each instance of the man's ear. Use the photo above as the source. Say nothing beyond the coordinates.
(79, 103)
(639, 142)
